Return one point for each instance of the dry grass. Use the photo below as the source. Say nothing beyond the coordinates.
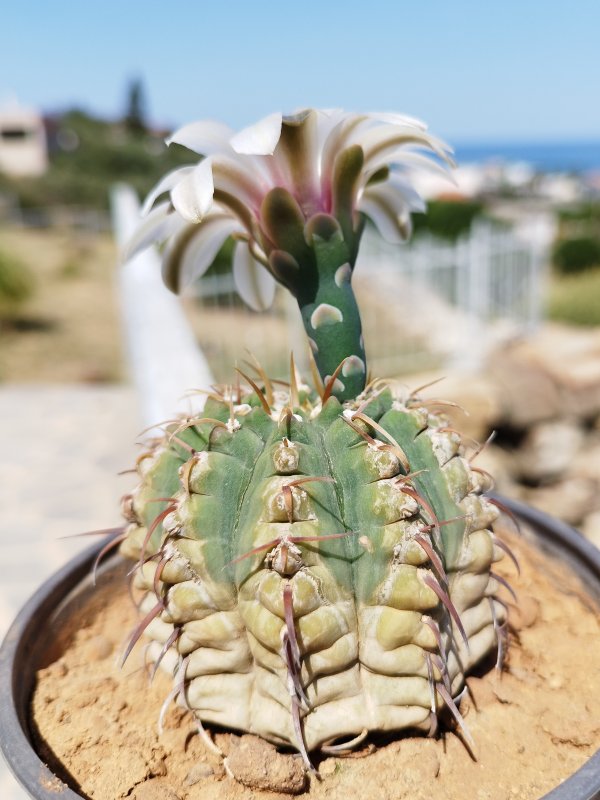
(575, 299)
(69, 330)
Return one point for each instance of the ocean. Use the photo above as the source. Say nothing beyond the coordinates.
(576, 156)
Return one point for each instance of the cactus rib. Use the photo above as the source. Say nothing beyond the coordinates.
(321, 570)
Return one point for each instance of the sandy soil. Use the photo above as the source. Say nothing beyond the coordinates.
(533, 726)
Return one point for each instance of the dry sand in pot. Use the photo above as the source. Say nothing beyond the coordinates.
(533, 726)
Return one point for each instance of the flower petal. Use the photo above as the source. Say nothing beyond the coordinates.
(396, 119)
(190, 253)
(298, 156)
(335, 141)
(345, 187)
(406, 193)
(160, 223)
(404, 157)
(259, 139)
(235, 178)
(283, 222)
(385, 138)
(388, 210)
(193, 195)
(166, 183)
(255, 284)
(205, 137)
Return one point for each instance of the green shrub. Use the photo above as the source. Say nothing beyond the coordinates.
(576, 255)
(585, 212)
(16, 284)
(105, 153)
(447, 218)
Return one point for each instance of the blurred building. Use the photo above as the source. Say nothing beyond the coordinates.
(23, 148)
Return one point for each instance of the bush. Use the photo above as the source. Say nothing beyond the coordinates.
(16, 284)
(575, 299)
(447, 218)
(585, 212)
(576, 255)
(105, 153)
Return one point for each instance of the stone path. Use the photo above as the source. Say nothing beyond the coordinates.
(60, 451)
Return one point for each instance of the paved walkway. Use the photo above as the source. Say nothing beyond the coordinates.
(60, 451)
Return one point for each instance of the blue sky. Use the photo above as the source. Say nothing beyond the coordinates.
(473, 69)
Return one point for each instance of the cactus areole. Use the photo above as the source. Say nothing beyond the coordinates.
(316, 565)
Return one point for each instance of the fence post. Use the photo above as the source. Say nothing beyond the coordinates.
(164, 358)
(539, 232)
(474, 253)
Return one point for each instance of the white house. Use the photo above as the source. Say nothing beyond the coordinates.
(23, 148)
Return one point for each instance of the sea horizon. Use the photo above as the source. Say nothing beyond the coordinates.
(564, 155)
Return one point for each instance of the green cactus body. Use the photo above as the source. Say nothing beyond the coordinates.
(315, 573)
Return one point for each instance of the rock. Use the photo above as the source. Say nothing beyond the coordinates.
(528, 395)
(570, 500)
(548, 450)
(524, 613)
(591, 528)
(586, 463)
(157, 764)
(154, 789)
(100, 647)
(477, 396)
(257, 764)
(581, 385)
(198, 772)
(554, 373)
(571, 358)
(327, 767)
(502, 466)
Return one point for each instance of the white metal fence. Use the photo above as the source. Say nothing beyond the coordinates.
(452, 300)
(423, 305)
(94, 220)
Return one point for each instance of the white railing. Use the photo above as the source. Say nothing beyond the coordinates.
(433, 302)
(163, 354)
(95, 220)
(424, 306)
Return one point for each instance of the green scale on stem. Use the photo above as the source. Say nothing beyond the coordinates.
(315, 261)
(330, 314)
(318, 570)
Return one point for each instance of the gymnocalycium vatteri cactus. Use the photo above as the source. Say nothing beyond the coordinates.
(316, 565)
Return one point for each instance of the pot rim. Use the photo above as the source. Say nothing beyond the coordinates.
(15, 736)
(41, 783)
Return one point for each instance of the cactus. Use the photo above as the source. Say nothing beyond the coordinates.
(316, 565)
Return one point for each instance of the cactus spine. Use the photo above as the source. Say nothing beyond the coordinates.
(321, 572)
(315, 568)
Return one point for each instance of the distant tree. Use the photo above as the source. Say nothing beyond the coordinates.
(447, 218)
(83, 176)
(577, 255)
(135, 112)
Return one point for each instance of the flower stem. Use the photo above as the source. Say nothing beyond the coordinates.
(330, 313)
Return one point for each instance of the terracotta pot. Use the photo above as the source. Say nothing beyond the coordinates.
(30, 644)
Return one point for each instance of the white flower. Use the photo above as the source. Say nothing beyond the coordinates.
(264, 183)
